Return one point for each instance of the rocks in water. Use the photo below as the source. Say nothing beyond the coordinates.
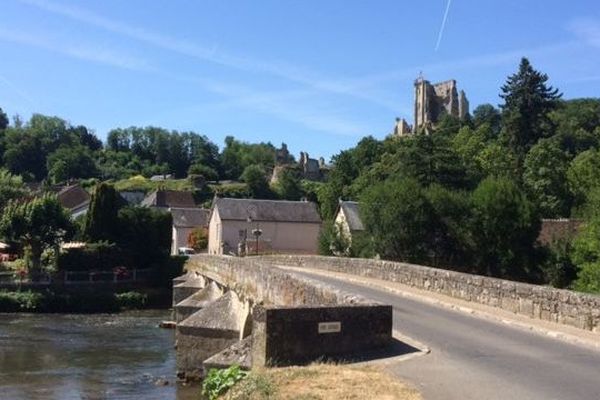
(167, 324)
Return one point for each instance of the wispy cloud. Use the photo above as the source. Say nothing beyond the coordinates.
(465, 63)
(441, 33)
(87, 52)
(586, 29)
(209, 53)
(294, 106)
(18, 92)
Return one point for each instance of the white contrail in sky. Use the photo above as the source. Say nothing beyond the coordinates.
(439, 39)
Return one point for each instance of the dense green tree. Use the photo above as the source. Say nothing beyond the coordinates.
(497, 161)
(71, 163)
(576, 114)
(431, 159)
(207, 172)
(586, 247)
(145, 233)
(101, 223)
(237, 156)
(558, 268)
(367, 151)
(448, 125)
(341, 177)
(505, 228)
(288, 186)
(545, 178)
(37, 225)
(583, 175)
(11, 187)
(3, 120)
(469, 143)
(256, 179)
(399, 218)
(451, 240)
(489, 115)
(528, 100)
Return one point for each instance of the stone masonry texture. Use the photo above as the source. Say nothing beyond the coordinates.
(540, 302)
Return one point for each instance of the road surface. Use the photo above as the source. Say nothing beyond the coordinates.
(478, 358)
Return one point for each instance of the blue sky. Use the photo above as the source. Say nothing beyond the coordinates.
(315, 74)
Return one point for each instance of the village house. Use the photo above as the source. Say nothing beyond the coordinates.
(167, 199)
(347, 220)
(185, 220)
(75, 199)
(239, 226)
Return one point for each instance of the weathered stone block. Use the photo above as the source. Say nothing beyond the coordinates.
(303, 334)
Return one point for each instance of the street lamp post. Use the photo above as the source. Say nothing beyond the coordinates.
(256, 232)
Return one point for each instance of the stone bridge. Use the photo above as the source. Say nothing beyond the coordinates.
(255, 312)
(249, 312)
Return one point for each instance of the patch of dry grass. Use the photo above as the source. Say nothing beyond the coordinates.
(321, 382)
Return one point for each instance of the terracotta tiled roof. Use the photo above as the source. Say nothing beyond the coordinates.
(267, 210)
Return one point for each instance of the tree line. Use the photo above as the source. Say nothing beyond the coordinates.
(50, 149)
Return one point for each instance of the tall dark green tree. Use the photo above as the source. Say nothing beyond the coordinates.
(3, 120)
(255, 177)
(505, 228)
(288, 185)
(101, 222)
(399, 218)
(545, 179)
(528, 100)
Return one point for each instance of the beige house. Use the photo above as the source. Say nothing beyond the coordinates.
(185, 220)
(347, 219)
(246, 225)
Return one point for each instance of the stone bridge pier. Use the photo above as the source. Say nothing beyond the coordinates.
(231, 310)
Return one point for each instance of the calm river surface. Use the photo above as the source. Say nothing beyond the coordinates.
(101, 356)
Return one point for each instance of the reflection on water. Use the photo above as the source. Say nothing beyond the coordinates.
(102, 356)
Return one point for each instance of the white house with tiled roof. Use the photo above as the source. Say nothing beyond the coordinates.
(277, 226)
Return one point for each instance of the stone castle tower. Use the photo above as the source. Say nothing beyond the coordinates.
(432, 101)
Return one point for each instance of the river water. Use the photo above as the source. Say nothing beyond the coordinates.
(100, 356)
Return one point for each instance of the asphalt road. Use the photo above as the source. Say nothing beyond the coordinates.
(476, 358)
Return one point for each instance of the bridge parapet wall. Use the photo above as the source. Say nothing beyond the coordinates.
(540, 302)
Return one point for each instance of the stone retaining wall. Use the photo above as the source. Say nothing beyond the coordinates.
(541, 302)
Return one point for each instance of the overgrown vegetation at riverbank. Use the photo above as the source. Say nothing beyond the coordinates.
(320, 382)
(49, 301)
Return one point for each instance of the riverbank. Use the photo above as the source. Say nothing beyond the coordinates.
(83, 300)
(321, 382)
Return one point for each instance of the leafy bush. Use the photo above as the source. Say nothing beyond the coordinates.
(218, 381)
(131, 300)
(588, 278)
(27, 301)
(94, 256)
(558, 269)
(198, 239)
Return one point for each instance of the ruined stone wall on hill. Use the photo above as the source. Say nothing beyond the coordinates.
(540, 302)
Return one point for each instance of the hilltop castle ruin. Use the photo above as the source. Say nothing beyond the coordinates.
(432, 101)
